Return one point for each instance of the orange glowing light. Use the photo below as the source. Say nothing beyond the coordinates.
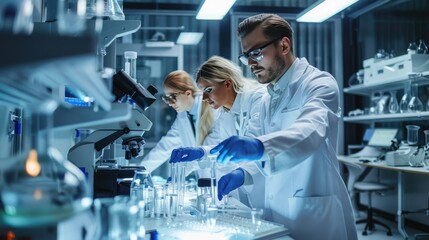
(32, 165)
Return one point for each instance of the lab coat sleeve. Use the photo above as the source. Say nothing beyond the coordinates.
(318, 113)
(162, 150)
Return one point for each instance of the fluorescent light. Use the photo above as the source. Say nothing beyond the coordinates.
(214, 9)
(189, 38)
(322, 10)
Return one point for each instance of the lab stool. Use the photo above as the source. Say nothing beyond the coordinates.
(371, 187)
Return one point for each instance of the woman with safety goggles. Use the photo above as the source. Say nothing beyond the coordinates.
(193, 122)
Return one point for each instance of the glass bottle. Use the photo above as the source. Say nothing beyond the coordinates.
(422, 48)
(412, 48)
(393, 102)
(403, 105)
(415, 104)
(42, 188)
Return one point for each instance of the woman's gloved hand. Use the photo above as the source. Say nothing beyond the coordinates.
(186, 154)
(239, 148)
(230, 182)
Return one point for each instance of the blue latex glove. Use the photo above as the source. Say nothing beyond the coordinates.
(238, 148)
(186, 154)
(230, 182)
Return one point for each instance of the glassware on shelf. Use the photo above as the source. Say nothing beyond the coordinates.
(426, 160)
(415, 104)
(393, 102)
(422, 48)
(403, 105)
(412, 134)
(427, 103)
(412, 48)
(41, 188)
(382, 103)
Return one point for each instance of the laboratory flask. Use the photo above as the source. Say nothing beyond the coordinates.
(415, 104)
(142, 189)
(412, 48)
(403, 105)
(42, 188)
(393, 102)
(422, 48)
(178, 174)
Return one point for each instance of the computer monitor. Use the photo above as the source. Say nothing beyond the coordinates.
(382, 137)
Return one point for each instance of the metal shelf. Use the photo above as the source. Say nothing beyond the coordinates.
(395, 117)
(36, 67)
(392, 84)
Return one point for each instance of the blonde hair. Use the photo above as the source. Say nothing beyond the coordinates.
(182, 81)
(218, 69)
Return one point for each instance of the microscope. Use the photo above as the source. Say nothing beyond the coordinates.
(95, 155)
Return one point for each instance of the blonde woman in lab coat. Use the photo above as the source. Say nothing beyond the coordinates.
(300, 185)
(182, 94)
(238, 99)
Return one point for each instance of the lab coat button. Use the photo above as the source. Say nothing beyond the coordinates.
(271, 197)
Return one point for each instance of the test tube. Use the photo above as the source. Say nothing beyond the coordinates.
(213, 178)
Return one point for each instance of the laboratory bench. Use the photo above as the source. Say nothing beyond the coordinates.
(400, 170)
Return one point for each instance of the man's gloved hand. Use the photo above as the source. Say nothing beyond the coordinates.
(230, 182)
(238, 148)
(186, 154)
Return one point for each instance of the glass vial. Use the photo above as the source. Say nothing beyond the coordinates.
(130, 64)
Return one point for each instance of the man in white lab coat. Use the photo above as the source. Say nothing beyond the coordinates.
(298, 182)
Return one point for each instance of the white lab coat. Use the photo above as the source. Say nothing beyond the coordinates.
(179, 135)
(244, 113)
(300, 185)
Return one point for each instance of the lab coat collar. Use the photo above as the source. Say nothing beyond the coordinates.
(236, 106)
(194, 109)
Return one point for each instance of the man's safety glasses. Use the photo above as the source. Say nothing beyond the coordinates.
(172, 98)
(256, 54)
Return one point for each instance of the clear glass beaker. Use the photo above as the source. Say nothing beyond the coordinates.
(403, 105)
(415, 104)
(142, 189)
(393, 102)
(412, 134)
(41, 188)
